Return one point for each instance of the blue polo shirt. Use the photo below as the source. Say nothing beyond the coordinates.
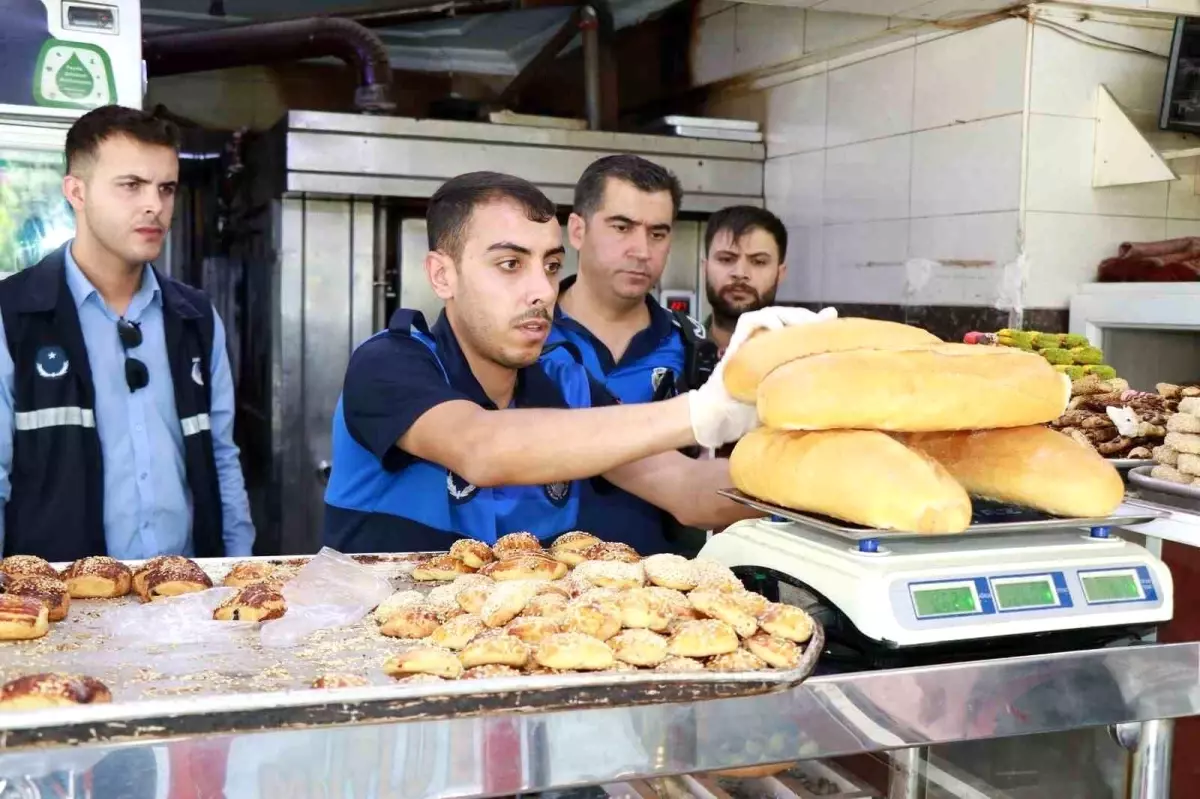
(383, 499)
(652, 368)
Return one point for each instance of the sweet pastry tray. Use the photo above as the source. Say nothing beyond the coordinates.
(989, 518)
(242, 686)
(1164, 492)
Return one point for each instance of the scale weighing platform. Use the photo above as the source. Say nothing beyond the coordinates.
(1014, 575)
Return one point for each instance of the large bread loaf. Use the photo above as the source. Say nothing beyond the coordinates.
(860, 476)
(764, 351)
(922, 389)
(1032, 466)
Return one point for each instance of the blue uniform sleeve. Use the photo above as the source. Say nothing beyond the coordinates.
(6, 427)
(392, 380)
(235, 507)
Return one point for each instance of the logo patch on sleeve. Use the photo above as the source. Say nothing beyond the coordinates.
(51, 363)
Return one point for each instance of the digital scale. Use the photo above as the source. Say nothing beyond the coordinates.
(1016, 581)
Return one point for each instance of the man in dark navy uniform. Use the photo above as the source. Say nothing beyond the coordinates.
(459, 430)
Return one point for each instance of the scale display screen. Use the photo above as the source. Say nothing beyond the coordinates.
(1019, 594)
(951, 600)
(1111, 587)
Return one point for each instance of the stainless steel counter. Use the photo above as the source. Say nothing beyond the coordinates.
(485, 755)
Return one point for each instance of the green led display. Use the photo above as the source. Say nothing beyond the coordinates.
(1032, 594)
(1110, 587)
(944, 601)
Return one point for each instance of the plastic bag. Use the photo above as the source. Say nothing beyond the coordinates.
(186, 619)
(332, 590)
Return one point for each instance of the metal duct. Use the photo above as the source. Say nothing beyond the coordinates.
(287, 40)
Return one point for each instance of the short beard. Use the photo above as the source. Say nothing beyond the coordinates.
(725, 316)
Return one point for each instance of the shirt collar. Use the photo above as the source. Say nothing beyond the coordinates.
(81, 288)
(643, 343)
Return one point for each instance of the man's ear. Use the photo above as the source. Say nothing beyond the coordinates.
(442, 274)
(75, 191)
(576, 227)
(782, 275)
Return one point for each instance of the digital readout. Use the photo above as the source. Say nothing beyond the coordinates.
(1111, 587)
(944, 601)
(1030, 594)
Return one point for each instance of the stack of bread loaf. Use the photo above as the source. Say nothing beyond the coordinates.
(582, 605)
(1178, 459)
(883, 425)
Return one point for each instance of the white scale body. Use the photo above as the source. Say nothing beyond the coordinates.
(937, 589)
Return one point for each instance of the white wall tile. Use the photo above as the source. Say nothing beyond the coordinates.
(796, 116)
(805, 260)
(966, 237)
(794, 187)
(967, 168)
(827, 31)
(707, 8)
(865, 262)
(1183, 6)
(1177, 228)
(1059, 174)
(714, 47)
(1182, 200)
(868, 181)
(766, 36)
(871, 99)
(950, 10)
(1066, 72)
(970, 75)
(885, 7)
(1065, 249)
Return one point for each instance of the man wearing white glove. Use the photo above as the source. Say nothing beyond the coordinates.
(459, 430)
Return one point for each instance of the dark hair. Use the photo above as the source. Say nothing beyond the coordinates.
(740, 220)
(643, 175)
(451, 206)
(100, 124)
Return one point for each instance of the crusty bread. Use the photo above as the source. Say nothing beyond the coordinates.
(768, 349)
(918, 390)
(1032, 466)
(861, 476)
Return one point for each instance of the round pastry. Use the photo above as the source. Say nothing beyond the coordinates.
(457, 632)
(557, 587)
(414, 621)
(532, 629)
(573, 652)
(471, 580)
(174, 579)
(440, 568)
(506, 601)
(710, 574)
(639, 647)
(472, 598)
(600, 593)
(612, 574)
(678, 665)
(620, 666)
(547, 606)
(612, 550)
(498, 650)
(749, 601)
(398, 600)
(251, 571)
(569, 547)
(676, 603)
(701, 639)
(28, 566)
(424, 659)
(718, 605)
(737, 660)
(139, 574)
(340, 681)
(443, 601)
(670, 571)
(599, 618)
(421, 678)
(50, 590)
(22, 618)
(37, 691)
(777, 652)
(526, 567)
(574, 585)
(641, 608)
(255, 602)
(488, 672)
(471, 552)
(98, 577)
(516, 541)
(786, 621)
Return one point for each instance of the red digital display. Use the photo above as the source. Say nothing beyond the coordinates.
(680, 304)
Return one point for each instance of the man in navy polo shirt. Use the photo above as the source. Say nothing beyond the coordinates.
(625, 208)
(459, 430)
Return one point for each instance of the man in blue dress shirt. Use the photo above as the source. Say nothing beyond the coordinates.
(116, 397)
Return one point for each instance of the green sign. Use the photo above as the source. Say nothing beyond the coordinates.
(73, 75)
(1111, 587)
(1032, 594)
(944, 601)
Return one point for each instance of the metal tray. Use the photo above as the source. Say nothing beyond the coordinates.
(242, 686)
(1125, 464)
(1164, 492)
(989, 518)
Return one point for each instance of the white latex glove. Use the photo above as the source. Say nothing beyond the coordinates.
(718, 418)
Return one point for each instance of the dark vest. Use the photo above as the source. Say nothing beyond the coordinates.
(56, 508)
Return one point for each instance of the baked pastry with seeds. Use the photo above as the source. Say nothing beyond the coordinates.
(38, 691)
(28, 566)
(255, 602)
(50, 590)
(22, 618)
(98, 577)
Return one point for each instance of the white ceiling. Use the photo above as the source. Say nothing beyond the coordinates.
(915, 9)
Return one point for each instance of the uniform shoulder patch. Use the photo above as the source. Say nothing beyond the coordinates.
(460, 490)
(51, 363)
(558, 492)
